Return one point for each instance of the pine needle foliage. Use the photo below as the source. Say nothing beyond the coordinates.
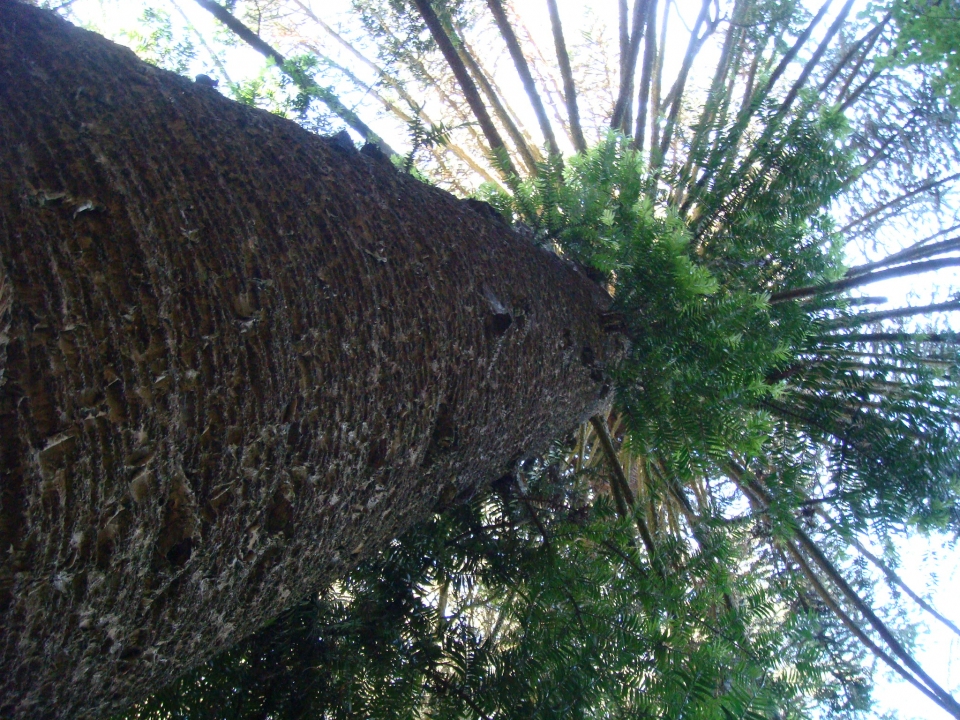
(550, 611)
(718, 371)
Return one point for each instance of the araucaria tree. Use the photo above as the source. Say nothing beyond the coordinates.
(239, 360)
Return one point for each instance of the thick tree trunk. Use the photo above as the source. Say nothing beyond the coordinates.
(234, 358)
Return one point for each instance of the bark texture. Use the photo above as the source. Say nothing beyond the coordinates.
(234, 358)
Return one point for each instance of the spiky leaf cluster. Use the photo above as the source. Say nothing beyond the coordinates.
(548, 610)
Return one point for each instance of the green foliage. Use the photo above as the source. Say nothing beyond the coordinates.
(548, 611)
(703, 335)
(266, 90)
(715, 370)
(422, 136)
(928, 38)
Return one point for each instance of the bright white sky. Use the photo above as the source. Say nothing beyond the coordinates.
(929, 565)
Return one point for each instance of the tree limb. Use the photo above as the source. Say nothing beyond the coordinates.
(865, 279)
(620, 479)
(929, 185)
(523, 70)
(675, 97)
(497, 146)
(646, 75)
(569, 88)
(306, 84)
(628, 66)
(528, 152)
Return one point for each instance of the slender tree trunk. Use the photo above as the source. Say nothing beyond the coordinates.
(234, 359)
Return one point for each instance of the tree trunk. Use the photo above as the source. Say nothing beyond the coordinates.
(234, 359)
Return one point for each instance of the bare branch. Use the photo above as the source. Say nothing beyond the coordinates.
(914, 252)
(929, 686)
(866, 42)
(855, 95)
(303, 81)
(626, 500)
(528, 152)
(523, 70)
(810, 65)
(801, 40)
(470, 93)
(897, 337)
(929, 185)
(892, 577)
(946, 701)
(628, 66)
(716, 94)
(675, 97)
(569, 88)
(834, 606)
(865, 318)
(658, 80)
(865, 279)
(895, 579)
(753, 101)
(646, 75)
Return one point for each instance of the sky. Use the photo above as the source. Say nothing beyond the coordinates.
(928, 565)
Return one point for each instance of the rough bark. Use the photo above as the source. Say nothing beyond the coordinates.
(234, 358)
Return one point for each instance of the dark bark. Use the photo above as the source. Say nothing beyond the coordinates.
(234, 359)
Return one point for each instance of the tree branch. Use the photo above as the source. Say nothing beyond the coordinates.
(658, 82)
(620, 479)
(530, 154)
(929, 185)
(523, 70)
(866, 42)
(213, 55)
(948, 338)
(948, 701)
(858, 631)
(917, 251)
(306, 84)
(569, 88)
(754, 100)
(865, 279)
(628, 66)
(931, 688)
(646, 75)
(895, 579)
(872, 317)
(675, 97)
(889, 573)
(810, 65)
(497, 146)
